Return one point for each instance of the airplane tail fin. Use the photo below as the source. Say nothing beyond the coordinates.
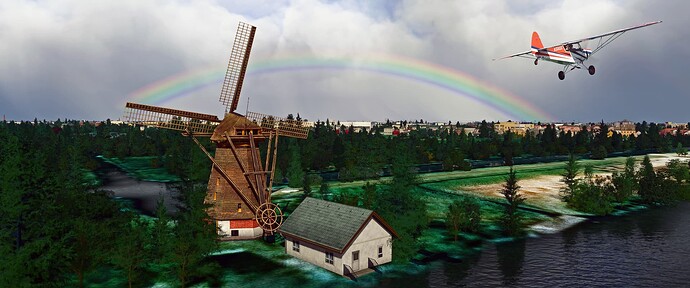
(536, 42)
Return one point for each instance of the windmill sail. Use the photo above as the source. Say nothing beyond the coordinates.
(237, 66)
(180, 120)
(283, 126)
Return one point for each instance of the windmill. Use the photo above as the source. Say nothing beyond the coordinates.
(239, 187)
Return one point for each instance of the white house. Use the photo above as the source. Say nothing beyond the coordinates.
(342, 239)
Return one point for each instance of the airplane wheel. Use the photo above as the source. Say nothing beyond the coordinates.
(591, 70)
(561, 75)
(536, 61)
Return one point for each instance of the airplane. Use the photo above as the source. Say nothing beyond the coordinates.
(571, 54)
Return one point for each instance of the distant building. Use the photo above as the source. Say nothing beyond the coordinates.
(357, 126)
(673, 131)
(625, 128)
(519, 128)
(467, 131)
(570, 129)
(676, 125)
(391, 131)
(342, 239)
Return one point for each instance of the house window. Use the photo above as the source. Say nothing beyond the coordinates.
(329, 258)
(380, 251)
(239, 207)
(295, 246)
(234, 233)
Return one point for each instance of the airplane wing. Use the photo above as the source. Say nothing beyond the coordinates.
(606, 38)
(526, 54)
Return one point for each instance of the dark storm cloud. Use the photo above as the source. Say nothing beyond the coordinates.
(84, 59)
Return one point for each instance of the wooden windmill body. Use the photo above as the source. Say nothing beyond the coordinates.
(239, 187)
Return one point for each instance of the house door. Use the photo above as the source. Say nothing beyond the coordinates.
(355, 260)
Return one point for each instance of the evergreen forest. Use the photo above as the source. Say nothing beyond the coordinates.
(57, 228)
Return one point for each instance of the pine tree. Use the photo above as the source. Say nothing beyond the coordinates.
(96, 219)
(324, 190)
(160, 236)
(680, 150)
(398, 203)
(12, 207)
(128, 255)
(369, 196)
(512, 220)
(572, 169)
(647, 181)
(306, 190)
(295, 174)
(625, 182)
(194, 235)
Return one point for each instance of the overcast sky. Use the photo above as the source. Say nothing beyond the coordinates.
(83, 59)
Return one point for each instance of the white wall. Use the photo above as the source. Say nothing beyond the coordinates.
(372, 236)
(315, 255)
(244, 233)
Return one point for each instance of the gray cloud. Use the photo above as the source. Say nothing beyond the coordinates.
(83, 59)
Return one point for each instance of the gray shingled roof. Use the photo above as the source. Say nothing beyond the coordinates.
(327, 223)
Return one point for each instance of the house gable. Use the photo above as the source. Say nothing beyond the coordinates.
(372, 230)
(373, 247)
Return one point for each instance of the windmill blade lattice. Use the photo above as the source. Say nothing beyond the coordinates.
(283, 126)
(237, 66)
(180, 120)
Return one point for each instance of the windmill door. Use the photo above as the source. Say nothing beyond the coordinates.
(355, 260)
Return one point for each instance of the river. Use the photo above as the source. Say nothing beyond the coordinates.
(644, 249)
(141, 195)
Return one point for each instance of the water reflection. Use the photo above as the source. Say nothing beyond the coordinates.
(511, 257)
(569, 237)
(456, 272)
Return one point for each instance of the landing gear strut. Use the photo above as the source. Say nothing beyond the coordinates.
(561, 75)
(591, 70)
(536, 61)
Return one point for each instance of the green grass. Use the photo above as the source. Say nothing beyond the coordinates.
(90, 178)
(492, 175)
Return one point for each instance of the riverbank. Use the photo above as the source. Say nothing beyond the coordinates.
(544, 211)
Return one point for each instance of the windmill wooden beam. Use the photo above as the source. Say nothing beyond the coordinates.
(227, 177)
(245, 171)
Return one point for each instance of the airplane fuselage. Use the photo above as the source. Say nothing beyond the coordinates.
(562, 54)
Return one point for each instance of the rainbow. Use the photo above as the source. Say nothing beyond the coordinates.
(457, 82)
